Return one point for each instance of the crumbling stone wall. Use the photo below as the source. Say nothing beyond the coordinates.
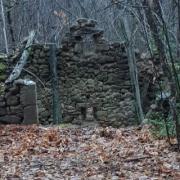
(18, 105)
(94, 80)
(38, 70)
(10, 108)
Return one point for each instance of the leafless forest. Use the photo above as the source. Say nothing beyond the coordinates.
(148, 27)
(50, 18)
(89, 89)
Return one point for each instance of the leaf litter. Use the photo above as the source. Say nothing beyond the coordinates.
(38, 153)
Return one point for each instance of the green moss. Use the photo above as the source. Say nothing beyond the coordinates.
(2, 88)
(66, 125)
(2, 67)
(2, 77)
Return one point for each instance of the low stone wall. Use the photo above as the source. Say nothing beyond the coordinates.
(11, 110)
(18, 105)
(38, 70)
(3, 72)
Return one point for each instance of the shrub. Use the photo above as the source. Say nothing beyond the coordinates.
(160, 126)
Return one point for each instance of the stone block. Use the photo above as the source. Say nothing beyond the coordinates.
(116, 45)
(106, 59)
(77, 99)
(12, 101)
(101, 114)
(2, 104)
(10, 119)
(102, 47)
(1, 98)
(68, 119)
(45, 114)
(41, 110)
(81, 105)
(28, 95)
(44, 67)
(42, 55)
(74, 28)
(2, 111)
(14, 90)
(82, 21)
(30, 115)
(16, 109)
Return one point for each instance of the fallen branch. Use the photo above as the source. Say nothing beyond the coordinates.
(21, 63)
(137, 158)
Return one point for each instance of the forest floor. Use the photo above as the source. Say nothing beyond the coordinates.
(40, 153)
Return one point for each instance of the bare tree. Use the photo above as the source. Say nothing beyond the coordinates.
(4, 27)
(178, 29)
(154, 8)
(133, 68)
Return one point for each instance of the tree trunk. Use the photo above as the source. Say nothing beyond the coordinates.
(165, 30)
(154, 7)
(158, 42)
(178, 30)
(57, 116)
(133, 69)
(9, 23)
(4, 27)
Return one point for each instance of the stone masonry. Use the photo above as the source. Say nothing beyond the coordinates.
(18, 105)
(94, 80)
(94, 76)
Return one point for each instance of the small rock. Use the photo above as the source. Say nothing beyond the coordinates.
(82, 21)
(115, 178)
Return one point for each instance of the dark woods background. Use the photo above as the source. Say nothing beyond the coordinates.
(53, 17)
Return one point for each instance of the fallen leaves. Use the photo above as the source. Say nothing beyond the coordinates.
(32, 152)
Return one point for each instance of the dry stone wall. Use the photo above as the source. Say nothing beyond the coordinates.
(10, 109)
(38, 70)
(18, 105)
(95, 81)
(93, 74)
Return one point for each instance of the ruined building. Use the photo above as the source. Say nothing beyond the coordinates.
(93, 77)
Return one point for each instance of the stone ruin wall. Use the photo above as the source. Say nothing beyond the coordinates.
(94, 80)
(18, 105)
